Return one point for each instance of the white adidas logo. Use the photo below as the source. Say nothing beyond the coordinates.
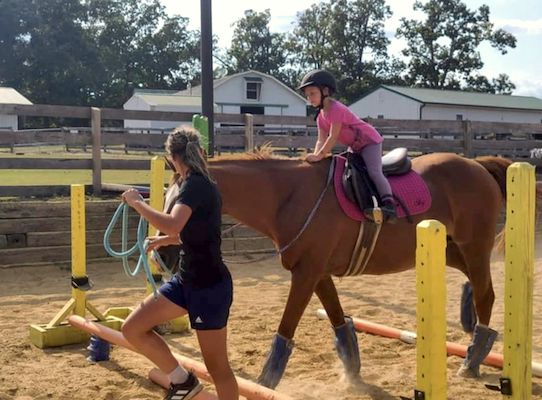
(199, 320)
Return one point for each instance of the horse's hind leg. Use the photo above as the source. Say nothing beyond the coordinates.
(477, 257)
(346, 341)
(455, 259)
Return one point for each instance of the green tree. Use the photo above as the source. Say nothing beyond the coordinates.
(94, 52)
(347, 37)
(44, 50)
(311, 37)
(443, 49)
(500, 85)
(254, 46)
(140, 46)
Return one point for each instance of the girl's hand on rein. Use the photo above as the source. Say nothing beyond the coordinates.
(131, 196)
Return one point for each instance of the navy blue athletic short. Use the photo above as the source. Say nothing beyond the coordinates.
(208, 308)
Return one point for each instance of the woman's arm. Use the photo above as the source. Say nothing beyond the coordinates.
(170, 224)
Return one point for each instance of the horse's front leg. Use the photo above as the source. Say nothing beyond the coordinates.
(301, 289)
(346, 340)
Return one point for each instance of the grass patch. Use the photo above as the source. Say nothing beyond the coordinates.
(113, 152)
(28, 177)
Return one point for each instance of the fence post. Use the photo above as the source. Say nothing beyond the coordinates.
(96, 125)
(249, 132)
(467, 139)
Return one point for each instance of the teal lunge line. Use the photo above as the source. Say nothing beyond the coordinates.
(140, 245)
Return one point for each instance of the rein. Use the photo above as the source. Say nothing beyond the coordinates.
(303, 228)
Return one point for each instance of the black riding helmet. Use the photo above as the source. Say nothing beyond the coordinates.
(319, 78)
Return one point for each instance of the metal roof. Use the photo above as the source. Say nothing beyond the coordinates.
(453, 97)
(158, 99)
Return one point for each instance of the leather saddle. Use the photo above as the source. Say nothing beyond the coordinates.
(358, 186)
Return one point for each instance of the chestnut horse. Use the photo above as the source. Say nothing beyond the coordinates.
(274, 196)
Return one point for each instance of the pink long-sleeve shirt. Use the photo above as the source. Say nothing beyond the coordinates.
(355, 133)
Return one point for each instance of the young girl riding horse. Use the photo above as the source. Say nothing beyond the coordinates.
(336, 123)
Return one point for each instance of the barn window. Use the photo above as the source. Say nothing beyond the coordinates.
(253, 88)
(459, 117)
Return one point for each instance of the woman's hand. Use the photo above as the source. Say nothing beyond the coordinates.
(314, 157)
(155, 242)
(131, 196)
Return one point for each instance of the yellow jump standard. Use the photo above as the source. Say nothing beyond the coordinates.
(58, 332)
(516, 380)
(431, 379)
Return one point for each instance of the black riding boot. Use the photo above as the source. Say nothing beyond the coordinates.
(389, 209)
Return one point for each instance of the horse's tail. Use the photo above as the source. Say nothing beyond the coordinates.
(497, 167)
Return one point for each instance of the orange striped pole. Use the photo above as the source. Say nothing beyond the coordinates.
(247, 388)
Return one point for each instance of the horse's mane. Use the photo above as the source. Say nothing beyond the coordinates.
(264, 152)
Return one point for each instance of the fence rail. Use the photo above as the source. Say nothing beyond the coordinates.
(39, 232)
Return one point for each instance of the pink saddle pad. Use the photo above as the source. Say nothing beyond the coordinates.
(409, 187)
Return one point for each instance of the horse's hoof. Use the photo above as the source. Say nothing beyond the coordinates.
(466, 372)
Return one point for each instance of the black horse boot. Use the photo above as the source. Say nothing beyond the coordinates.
(275, 365)
(346, 343)
(482, 341)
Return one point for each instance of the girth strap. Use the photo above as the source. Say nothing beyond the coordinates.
(365, 244)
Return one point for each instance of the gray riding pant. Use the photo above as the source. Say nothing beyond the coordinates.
(372, 156)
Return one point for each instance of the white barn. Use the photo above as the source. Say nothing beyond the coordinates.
(396, 102)
(160, 100)
(246, 92)
(11, 96)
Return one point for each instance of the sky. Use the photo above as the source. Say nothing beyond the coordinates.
(522, 18)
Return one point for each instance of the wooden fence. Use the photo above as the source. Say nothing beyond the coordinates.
(470, 138)
(39, 232)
